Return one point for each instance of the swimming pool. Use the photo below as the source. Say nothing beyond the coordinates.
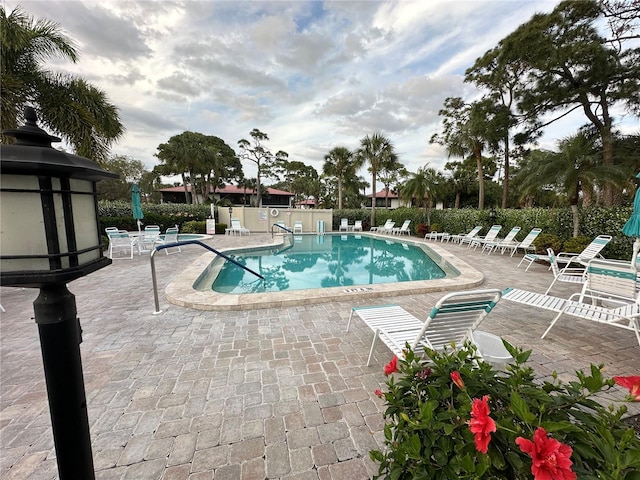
(322, 261)
(181, 291)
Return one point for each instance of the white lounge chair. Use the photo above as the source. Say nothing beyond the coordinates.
(404, 229)
(120, 242)
(236, 227)
(466, 237)
(150, 238)
(501, 244)
(610, 291)
(387, 227)
(526, 244)
(297, 226)
(388, 224)
(344, 225)
(451, 321)
(357, 226)
(567, 274)
(590, 251)
(171, 236)
(491, 235)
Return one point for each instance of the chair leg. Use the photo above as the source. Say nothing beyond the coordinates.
(349, 322)
(553, 322)
(548, 289)
(373, 345)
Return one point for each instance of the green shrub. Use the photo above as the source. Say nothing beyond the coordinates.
(547, 240)
(435, 227)
(576, 244)
(221, 228)
(453, 416)
(194, 227)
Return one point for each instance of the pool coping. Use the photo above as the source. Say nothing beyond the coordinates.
(180, 291)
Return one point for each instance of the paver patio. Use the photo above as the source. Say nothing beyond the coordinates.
(272, 393)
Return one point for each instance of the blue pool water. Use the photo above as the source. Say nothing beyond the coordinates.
(310, 261)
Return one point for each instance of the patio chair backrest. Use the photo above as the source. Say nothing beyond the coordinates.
(492, 233)
(511, 235)
(616, 279)
(455, 316)
(474, 231)
(405, 225)
(594, 248)
(357, 223)
(344, 221)
(531, 236)
(235, 223)
(171, 236)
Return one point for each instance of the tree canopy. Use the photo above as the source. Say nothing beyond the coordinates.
(66, 105)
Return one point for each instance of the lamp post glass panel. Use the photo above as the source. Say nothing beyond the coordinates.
(51, 236)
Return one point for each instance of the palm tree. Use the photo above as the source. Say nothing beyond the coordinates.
(576, 167)
(376, 150)
(68, 106)
(422, 187)
(339, 163)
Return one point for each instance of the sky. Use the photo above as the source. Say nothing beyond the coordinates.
(312, 75)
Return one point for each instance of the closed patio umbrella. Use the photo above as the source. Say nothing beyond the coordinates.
(136, 205)
(632, 227)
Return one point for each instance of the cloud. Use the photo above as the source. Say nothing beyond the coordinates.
(310, 74)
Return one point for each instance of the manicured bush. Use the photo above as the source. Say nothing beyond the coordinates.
(547, 240)
(453, 416)
(423, 229)
(194, 227)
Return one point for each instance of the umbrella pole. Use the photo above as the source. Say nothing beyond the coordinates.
(634, 257)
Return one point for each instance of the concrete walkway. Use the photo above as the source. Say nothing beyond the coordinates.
(272, 393)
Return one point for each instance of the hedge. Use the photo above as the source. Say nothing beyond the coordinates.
(594, 221)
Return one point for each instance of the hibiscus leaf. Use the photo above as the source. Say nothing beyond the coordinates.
(520, 408)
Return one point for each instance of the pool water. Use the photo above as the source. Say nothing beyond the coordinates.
(310, 261)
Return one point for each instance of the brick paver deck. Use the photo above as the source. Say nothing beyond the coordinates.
(274, 393)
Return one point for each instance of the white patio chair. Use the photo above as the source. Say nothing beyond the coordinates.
(120, 242)
(387, 227)
(609, 296)
(501, 244)
(489, 237)
(451, 321)
(590, 251)
(388, 224)
(297, 226)
(526, 244)
(236, 227)
(171, 236)
(466, 237)
(404, 229)
(566, 274)
(344, 225)
(357, 226)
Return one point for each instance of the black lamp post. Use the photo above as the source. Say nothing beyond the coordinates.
(230, 212)
(50, 235)
(492, 216)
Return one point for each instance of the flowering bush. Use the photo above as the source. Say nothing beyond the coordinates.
(452, 416)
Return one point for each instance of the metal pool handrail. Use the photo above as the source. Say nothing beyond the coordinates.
(178, 244)
(280, 226)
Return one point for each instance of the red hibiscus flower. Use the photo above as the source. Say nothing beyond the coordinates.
(481, 424)
(457, 379)
(549, 458)
(378, 393)
(631, 383)
(391, 367)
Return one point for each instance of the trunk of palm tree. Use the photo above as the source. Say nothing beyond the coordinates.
(186, 189)
(339, 193)
(373, 201)
(386, 198)
(456, 205)
(576, 219)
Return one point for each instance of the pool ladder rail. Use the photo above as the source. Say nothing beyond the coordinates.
(281, 227)
(188, 242)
